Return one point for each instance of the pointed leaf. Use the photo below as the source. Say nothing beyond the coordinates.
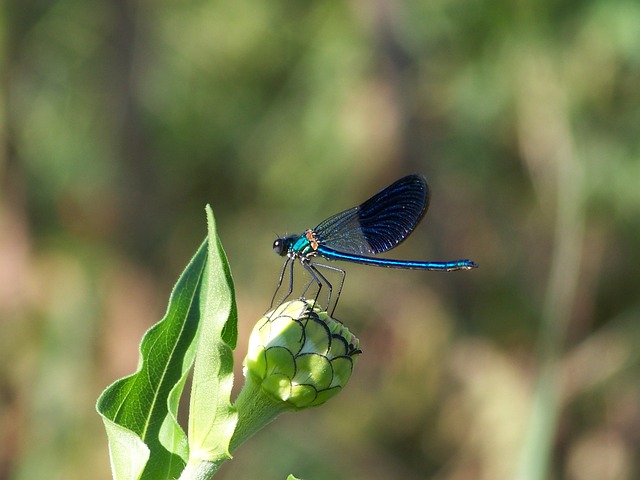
(212, 417)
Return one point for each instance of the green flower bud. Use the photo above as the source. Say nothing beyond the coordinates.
(300, 355)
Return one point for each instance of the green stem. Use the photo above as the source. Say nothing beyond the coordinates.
(255, 410)
(199, 469)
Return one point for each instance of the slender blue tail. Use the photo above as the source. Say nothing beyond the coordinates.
(331, 254)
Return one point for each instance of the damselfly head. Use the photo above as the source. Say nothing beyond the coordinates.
(281, 244)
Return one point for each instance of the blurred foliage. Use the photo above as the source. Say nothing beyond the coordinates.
(120, 120)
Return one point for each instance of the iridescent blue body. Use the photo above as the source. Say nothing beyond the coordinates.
(377, 225)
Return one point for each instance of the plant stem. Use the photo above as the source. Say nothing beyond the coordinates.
(255, 410)
(199, 470)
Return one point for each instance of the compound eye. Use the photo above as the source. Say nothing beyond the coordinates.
(277, 246)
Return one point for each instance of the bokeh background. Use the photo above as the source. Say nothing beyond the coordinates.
(121, 119)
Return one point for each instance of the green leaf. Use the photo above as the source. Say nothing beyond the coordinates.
(291, 477)
(139, 411)
(212, 417)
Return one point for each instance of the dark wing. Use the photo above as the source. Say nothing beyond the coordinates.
(380, 223)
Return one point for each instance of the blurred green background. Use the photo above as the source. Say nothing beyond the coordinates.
(120, 120)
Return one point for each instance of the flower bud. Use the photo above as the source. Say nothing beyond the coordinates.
(300, 355)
